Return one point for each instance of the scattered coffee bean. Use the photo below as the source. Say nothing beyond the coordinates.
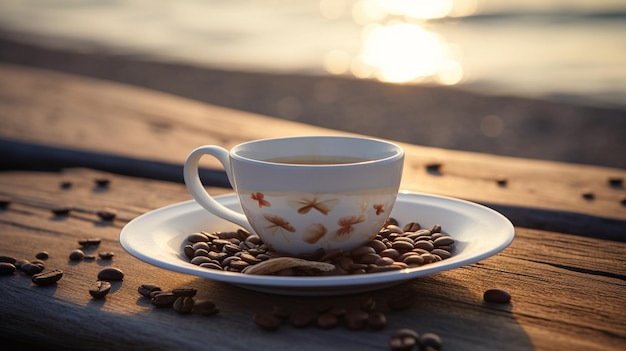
(107, 214)
(31, 268)
(205, 308)
(47, 278)
(66, 184)
(106, 255)
(5, 201)
(146, 289)
(61, 211)
(185, 292)
(356, 319)
(434, 167)
(267, 321)
(8, 259)
(102, 182)
(588, 195)
(497, 296)
(304, 318)
(377, 320)
(89, 241)
(42, 255)
(616, 182)
(431, 340)
(403, 340)
(7, 268)
(501, 181)
(77, 255)
(110, 274)
(162, 298)
(183, 304)
(100, 289)
(327, 321)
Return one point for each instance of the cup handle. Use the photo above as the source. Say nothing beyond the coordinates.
(199, 193)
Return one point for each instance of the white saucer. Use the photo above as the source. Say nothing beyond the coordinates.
(157, 237)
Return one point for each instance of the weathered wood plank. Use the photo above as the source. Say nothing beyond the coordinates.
(43, 108)
(567, 290)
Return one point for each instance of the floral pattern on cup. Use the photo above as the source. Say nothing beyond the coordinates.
(314, 219)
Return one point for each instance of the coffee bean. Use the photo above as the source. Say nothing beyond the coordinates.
(7, 268)
(443, 241)
(183, 304)
(185, 292)
(403, 340)
(89, 241)
(5, 201)
(411, 227)
(497, 296)
(47, 278)
(327, 320)
(304, 318)
(77, 255)
(42, 255)
(100, 289)
(61, 211)
(424, 244)
(107, 214)
(106, 255)
(356, 319)
(266, 321)
(205, 308)
(211, 265)
(162, 299)
(146, 289)
(102, 182)
(377, 320)
(65, 184)
(197, 237)
(441, 253)
(8, 259)
(110, 274)
(31, 268)
(430, 340)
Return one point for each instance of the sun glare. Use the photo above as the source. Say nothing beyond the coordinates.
(395, 45)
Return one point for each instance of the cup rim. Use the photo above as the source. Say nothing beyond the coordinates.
(389, 151)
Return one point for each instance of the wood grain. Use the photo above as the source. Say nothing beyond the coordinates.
(567, 290)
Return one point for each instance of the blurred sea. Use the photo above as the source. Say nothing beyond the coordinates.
(572, 50)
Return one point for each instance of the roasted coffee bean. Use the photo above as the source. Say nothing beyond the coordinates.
(267, 321)
(356, 319)
(249, 258)
(201, 245)
(7, 268)
(199, 260)
(424, 244)
(430, 340)
(102, 182)
(435, 229)
(197, 237)
(205, 308)
(61, 211)
(377, 320)
(362, 250)
(384, 261)
(31, 268)
(497, 296)
(304, 318)
(217, 256)
(403, 340)
(146, 289)
(8, 259)
(65, 184)
(428, 257)
(100, 289)
(183, 304)
(327, 320)
(369, 258)
(162, 299)
(42, 255)
(211, 265)
(377, 245)
(413, 260)
(441, 253)
(106, 255)
(110, 274)
(107, 214)
(189, 251)
(391, 253)
(185, 292)
(5, 201)
(443, 241)
(411, 227)
(77, 255)
(47, 278)
(89, 241)
(202, 252)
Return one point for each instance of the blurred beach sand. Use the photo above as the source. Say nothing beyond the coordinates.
(444, 117)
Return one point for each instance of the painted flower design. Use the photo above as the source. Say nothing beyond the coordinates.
(259, 197)
(305, 205)
(346, 226)
(380, 208)
(277, 222)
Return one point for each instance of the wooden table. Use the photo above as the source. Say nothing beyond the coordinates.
(565, 270)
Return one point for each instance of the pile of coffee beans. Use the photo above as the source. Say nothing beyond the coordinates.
(180, 299)
(394, 248)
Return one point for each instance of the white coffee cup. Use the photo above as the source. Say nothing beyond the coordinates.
(300, 194)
